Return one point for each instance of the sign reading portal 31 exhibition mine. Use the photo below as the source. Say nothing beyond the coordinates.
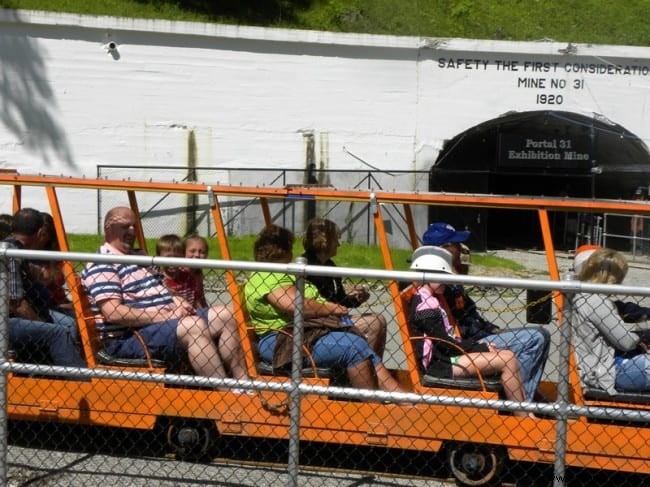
(543, 151)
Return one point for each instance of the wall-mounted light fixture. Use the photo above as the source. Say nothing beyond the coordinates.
(111, 48)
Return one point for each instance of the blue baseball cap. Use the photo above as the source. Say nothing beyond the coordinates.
(440, 233)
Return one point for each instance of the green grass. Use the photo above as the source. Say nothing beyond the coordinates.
(116, 8)
(84, 243)
(349, 255)
(241, 248)
(581, 21)
(492, 261)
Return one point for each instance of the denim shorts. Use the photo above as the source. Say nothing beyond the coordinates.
(160, 338)
(337, 349)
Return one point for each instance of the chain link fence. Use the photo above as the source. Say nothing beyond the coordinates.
(243, 216)
(130, 418)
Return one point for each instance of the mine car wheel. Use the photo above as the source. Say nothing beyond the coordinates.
(191, 440)
(474, 464)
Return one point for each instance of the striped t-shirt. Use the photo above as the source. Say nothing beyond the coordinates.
(134, 285)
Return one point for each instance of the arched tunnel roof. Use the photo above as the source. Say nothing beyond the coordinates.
(552, 144)
(545, 153)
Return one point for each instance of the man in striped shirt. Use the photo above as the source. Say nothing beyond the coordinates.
(130, 296)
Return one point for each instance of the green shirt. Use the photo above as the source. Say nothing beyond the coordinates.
(263, 315)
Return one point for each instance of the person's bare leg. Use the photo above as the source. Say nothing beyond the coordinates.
(362, 376)
(385, 379)
(503, 362)
(202, 352)
(223, 329)
(373, 327)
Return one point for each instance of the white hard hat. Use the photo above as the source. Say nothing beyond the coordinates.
(432, 259)
(423, 250)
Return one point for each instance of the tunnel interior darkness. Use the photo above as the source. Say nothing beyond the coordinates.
(538, 153)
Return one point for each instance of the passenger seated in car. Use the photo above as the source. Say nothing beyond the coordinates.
(196, 247)
(5, 225)
(181, 281)
(36, 333)
(270, 299)
(630, 311)
(530, 344)
(129, 296)
(452, 355)
(48, 277)
(321, 243)
(610, 355)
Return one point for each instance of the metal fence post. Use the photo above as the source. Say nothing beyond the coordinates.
(562, 403)
(296, 377)
(4, 339)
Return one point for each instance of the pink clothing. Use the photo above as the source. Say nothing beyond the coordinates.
(428, 301)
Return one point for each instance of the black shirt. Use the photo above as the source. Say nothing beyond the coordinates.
(331, 288)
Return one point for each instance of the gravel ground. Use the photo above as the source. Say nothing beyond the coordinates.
(536, 266)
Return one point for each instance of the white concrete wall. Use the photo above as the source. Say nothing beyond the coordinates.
(249, 94)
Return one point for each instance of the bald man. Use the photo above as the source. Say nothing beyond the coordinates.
(131, 296)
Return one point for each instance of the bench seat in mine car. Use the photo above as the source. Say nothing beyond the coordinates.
(492, 383)
(591, 393)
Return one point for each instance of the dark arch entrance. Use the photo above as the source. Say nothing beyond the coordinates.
(537, 153)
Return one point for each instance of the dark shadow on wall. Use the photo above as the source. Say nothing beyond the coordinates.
(245, 12)
(28, 105)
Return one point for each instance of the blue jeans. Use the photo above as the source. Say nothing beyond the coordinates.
(633, 374)
(67, 321)
(336, 350)
(39, 342)
(530, 345)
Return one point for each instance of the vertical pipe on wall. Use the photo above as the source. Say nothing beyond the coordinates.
(192, 199)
